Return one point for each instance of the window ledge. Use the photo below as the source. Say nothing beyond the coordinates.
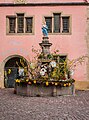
(19, 33)
(59, 33)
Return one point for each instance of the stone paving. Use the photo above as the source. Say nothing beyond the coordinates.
(15, 107)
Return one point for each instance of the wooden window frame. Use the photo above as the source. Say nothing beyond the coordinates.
(68, 25)
(20, 29)
(58, 30)
(31, 29)
(61, 64)
(16, 25)
(61, 24)
(8, 24)
(49, 17)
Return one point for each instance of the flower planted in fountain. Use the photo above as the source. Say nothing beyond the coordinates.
(48, 78)
(49, 75)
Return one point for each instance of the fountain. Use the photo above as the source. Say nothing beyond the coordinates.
(48, 81)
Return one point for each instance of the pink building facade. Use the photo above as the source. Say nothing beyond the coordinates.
(21, 23)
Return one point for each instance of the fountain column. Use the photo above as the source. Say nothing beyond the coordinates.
(45, 45)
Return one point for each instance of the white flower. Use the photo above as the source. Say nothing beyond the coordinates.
(21, 71)
(43, 71)
(71, 72)
(53, 64)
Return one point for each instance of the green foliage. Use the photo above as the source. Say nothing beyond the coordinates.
(60, 72)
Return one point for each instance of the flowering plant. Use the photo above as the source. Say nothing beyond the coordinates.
(50, 70)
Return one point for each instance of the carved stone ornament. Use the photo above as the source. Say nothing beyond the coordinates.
(20, 1)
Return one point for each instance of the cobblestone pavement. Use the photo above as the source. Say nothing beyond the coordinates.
(15, 107)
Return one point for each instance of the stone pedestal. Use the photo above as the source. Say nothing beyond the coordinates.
(45, 45)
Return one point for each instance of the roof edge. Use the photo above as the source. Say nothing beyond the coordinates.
(41, 4)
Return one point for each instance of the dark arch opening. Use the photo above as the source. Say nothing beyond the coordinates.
(12, 70)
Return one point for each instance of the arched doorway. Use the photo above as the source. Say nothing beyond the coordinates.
(13, 68)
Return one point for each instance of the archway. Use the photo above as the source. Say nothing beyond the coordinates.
(14, 68)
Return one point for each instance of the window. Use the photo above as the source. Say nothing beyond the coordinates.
(61, 59)
(58, 23)
(62, 66)
(19, 24)
(29, 25)
(65, 23)
(12, 24)
(49, 24)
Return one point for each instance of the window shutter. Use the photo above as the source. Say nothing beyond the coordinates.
(57, 22)
(20, 23)
(49, 23)
(29, 23)
(12, 24)
(65, 23)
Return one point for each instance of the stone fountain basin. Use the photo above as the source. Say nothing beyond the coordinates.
(35, 90)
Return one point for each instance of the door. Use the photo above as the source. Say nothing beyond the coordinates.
(11, 70)
(11, 74)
